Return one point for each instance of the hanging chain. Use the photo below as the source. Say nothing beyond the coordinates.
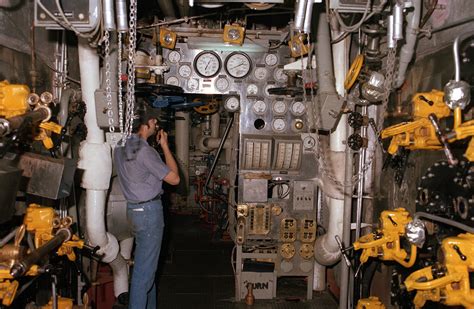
(131, 69)
(108, 88)
(390, 68)
(119, 79)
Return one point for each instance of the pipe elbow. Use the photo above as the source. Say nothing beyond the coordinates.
(325, 255)
(110, 250)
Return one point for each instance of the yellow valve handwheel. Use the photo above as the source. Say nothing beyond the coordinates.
(354, 72)
(209, 108)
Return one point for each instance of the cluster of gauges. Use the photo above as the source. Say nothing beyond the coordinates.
(279, 109)
(238, 65)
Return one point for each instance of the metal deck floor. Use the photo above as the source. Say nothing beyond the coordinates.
(196, 272)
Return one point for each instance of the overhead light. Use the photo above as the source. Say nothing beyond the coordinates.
(234, 34)
(297, 46)
(167, 38)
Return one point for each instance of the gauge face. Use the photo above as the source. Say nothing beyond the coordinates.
(232, 104)
(207, 64)
(271, 59)
(280, 76)
(259, 107)
(279, 125)
(222, 84)
(238, 65)
(269, 87)
(298, 108)
(279, 107)
(184, 71)
(193, 84)
(172, 80)
(174, 56)
(252, 89)
(309, 142)
(260, 73)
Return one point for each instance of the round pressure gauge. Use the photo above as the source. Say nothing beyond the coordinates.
(260, 73)
(222, 84)
(279, 107)
(207, 64)
(173, 81)
(174, 56)
(280, 76)
(279, 125)
(271, 59)
(193, 84)
(298, 108)
(184, 71)
(252, 89)
(259, 107)
(269, 87)
(238, 65)
(232, 104)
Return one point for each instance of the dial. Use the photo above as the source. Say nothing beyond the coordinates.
(298, 108)
(279, 125)
(232, 104)
(309, 142)
(280, 76)
(269, 87)
(172, 80)
(185, 70)
(259, 107)
(279, 107)
(271, 59)
(193, 84)
(260, 73)
(238, 65)
(174, 56)
(222, 84)
(207, 64)
(252, 89)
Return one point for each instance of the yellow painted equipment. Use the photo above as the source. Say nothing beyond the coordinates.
(63, 303)
(372, 302)
(385, 242)
(354, 71)
(13, 99)
(297, 46)
(419, 133)
(167, 38)
(451, 285)
(9, 287)
(233, 34)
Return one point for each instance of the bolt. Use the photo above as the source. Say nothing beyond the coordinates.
(436, 164)
(431, 175)
(81, 16)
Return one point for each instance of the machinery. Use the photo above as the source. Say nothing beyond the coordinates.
(277, 113)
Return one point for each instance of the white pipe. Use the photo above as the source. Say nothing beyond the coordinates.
(182, 144)
(326, 250)
(215, 124)
(408, 49)
(126, 247)
(207, 143)
(96, 161)
(300, 13)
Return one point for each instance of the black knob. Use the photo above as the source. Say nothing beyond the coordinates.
(356, 142)
(356, 120)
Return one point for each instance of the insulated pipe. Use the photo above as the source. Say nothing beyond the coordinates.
(182, 124)
(66, 96)
(300, 13)
(408, 49)
(120, 270)
(215, 124)
(122, 15)
(109, 15)
(126, 246)
(308, 16)
(96, 161)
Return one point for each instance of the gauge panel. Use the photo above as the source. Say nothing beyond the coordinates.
(238, 65)
(207, 64)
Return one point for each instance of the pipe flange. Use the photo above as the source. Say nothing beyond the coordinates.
(457, 94)
(48, 111)
(68, 231)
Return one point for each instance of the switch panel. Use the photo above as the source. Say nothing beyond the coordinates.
(288, 227)
(303, 195)
(308, 230)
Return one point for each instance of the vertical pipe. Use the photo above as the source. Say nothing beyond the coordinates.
(391, 42)
(109, 15)
(215, 124)
(300, 14)
(361, 178)
(182, 144)
(122, 16)
(398, 21)
(308, 18)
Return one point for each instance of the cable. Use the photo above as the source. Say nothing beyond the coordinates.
(366, 16)
(444, 220)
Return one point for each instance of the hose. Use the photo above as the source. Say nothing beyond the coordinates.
(444, 220)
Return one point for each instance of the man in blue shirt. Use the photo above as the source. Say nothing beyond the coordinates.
(141, 173)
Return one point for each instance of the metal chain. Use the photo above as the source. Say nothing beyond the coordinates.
(108, 88)
(131, 69)
(119, 79)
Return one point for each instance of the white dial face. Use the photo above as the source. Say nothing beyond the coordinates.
(271, 59)
(280, 76)
(193, 84)
(252, 89)
(184, 70)
(260, 73)
(279, 125)
(238, 65)
(298, 108)
(279, 107)
(207, 64)
(309, 142)
(174, 56)
(172, 80)
(222, 84)
(269, 87)
(232, 104)
(259, 107)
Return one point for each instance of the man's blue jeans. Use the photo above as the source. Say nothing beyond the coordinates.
(147, 224)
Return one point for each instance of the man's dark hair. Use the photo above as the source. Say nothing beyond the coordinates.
(142, 115)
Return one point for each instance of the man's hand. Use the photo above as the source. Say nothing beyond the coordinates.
(162, 138)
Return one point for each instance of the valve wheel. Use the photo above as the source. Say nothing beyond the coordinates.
(354, 72)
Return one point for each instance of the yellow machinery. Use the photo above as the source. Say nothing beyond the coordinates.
(448, 281)
(370, 303)
(50, 233)
(13, 99)
(385, 242)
